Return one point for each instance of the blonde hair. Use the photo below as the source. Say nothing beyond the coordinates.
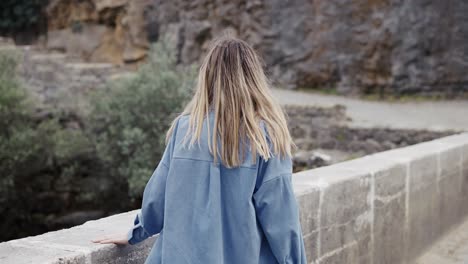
(232, 83)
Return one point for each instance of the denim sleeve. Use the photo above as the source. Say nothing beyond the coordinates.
(137, 233)
(150, 220)
(278, 212)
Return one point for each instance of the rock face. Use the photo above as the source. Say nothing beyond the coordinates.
(353, 45)
(56, 81)
(100, 30)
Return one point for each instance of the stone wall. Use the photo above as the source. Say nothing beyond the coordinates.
(355, 46)
(383, 208)
(387, 207)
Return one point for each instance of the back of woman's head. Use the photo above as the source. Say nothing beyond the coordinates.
(232, 84)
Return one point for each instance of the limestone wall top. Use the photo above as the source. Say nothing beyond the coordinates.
(382, 208)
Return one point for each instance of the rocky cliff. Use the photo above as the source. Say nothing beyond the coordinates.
(354, 46)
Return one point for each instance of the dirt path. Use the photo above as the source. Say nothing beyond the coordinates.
(431, 115)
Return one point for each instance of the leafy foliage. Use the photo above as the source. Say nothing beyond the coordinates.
(69, 160)
(14, 149)
(39, 157)
(132, 115)
(18, 152)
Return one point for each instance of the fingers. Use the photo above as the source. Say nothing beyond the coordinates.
(103, 240)
(97, 240)
(121, 240)
(108, 241)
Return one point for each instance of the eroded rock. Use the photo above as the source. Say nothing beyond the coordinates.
(384, 46)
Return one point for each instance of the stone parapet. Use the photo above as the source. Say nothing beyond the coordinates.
(383, 208)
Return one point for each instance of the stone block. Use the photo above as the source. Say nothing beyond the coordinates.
(81, 236)
(389, 215)
(308, 211)
(423, 171)
(389, 231)
(390, 181)
(464, 153)
(341, 256)
(464, 191)
(372, 163)
(301, 189)
(25, 252)
(135, 254)
(345, 214)
(351, 253)
(460, 139)
(311, 246)
(423, 219)
(326, 176)
(450, 210)
(450, 161)
(424, 201)
(346, 200)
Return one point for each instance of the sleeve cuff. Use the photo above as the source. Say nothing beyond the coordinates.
(137, 233)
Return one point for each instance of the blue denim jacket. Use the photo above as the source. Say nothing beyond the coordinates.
(206, 213)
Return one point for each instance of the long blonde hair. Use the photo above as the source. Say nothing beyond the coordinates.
(232, 83)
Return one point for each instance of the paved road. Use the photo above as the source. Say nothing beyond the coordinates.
(432, 115)
(451, 249)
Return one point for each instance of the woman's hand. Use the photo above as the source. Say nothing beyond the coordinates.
(118, 239)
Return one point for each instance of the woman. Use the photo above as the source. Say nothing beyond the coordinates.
(222, 191)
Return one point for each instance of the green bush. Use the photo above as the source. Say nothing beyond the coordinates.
(15, 132)
(40, 159)
(130, 117)
(57, 161)
(20, 142)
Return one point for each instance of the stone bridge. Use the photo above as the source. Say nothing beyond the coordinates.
(389, 207)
